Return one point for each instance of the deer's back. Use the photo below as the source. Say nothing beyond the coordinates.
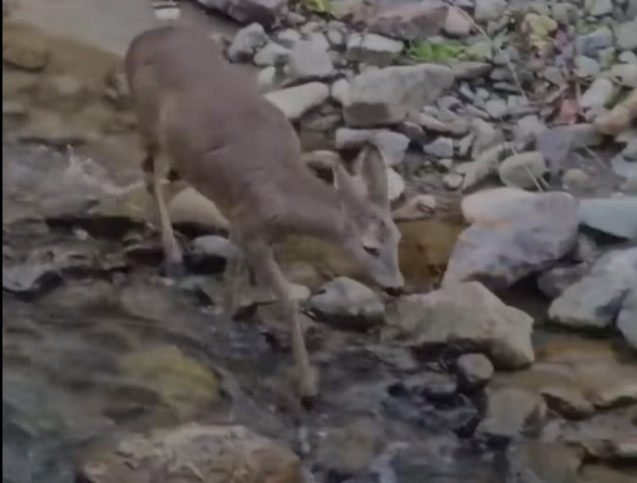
(221, 135)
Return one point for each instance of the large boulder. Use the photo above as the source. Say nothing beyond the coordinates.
(513, 234)
(596, 300)
(465, 317)
(389, 95)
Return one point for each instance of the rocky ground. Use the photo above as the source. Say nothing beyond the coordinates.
(509, 131)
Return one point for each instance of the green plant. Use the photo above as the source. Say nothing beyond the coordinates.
(425, 51)
(317, 6)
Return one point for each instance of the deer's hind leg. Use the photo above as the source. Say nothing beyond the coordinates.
(173, 257)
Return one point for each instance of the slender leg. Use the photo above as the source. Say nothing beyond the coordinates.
(174, 266)
(259, 256)
(234, 271)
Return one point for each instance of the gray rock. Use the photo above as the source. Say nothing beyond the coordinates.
(347, 304)
(596, 300)
(454, 127)
(524, 170)
(527, 130)
(486, 136)
(296, 101)
(246, 42)
(309, 60)
(599, 8)
(267, 78)
(511, 414)
(288, 37)
(557, 143)
(590, 44)
(625, 163)
(484, 166)
(627, 318)
(458, 23)
(271, 54)
(474, 370)
(598, 94)
(616, 216)
(465, 317)
(387, 96)
(534, 231)
(586, 66)
(489, 9)
(568, 402)
(626, 34)
(496, 108)
(467, 70)
(441, 148)
(214, 246)
(625, 74)
(392, 144)
(373, 49)
(264, 12)
(340, 91)
(554, 281)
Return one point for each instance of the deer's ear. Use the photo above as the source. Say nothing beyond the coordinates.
(374, 173)
(350, 188)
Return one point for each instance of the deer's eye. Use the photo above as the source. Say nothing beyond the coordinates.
(373, 251)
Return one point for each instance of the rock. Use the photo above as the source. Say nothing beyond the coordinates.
(373, 49)
(575, 179)
(625, 74)
(468, 318)
(191, 207)
(29, 53)
(347, 450)
(433, 386)
(455, 127)
(387, 96)
(264, 12)
(458, 23)
(617, 217)
(475, 370)
(213, 454)
(627, 319)
(489, 9)
(587, 67)
(545, 462)
(486, 136)
(534, 231)
(511, 414)
(212, 252)
(599, 8)
(296, 101)
(182, 385)
(598, 94)
(554, 281)
(596, 300)
(441, 148)
(418, 207)
(524, 170)
(271, 54)
(347, 304)
(288, 37)
(395, 185)
(246, 43)
(392, 144)
(467, 70)
(340, 91)
(590, 44)
(626, 34)
(496, 108)
(452, 181)
(309, 60)
(527, 130)
(267, 79)
(484, 166)
(481, 50)
(411, 21)
(567, 402)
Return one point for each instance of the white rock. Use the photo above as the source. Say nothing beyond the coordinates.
(309, 60)
(288, 37)
(271, 54)
(348, 304)
(599, 8)
(489, 9)
(441, 148)
(246, 42)
(340, 91)
(296, 101)
(523, 170)
(598, 94)
(387, 96)
(458, 23)
(373, 49)
(475, 370)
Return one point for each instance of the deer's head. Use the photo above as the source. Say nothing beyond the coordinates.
(370, 235)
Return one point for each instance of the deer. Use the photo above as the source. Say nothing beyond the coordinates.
(221, 137)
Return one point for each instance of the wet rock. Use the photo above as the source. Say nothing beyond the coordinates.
(511, 414)
(534, 231)
(264, 12)
(465, 317)
(247, 42)
(308, 59)
(373, 49)
(627, 35)
(524, 170)
(489, 9)
(595, 301)
(567, 402)
(271, 54)
(474, 370)
(616, 217)
(387, 96)
(213, 454)
(627, 318)
(346, 450)
(545, 462)
(296, 101)
(347, 304)
(182, 385)
(412, 21)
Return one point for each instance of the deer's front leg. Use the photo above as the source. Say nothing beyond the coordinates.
(234, 270)
(261, 258)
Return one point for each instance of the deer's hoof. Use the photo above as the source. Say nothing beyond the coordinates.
(308, 387)
(174, 269)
